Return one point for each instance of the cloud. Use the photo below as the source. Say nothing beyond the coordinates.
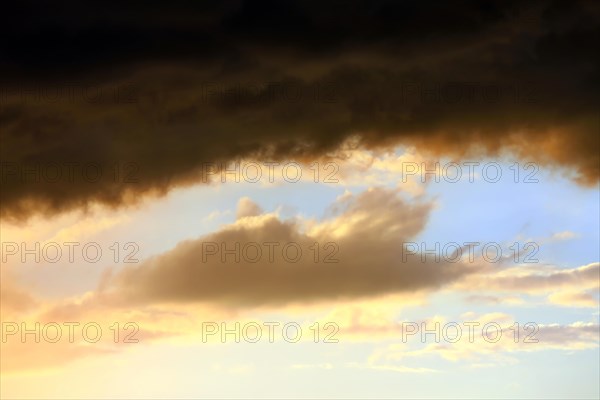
(566, 287)
(534, 280)
(354, 254)
(247, 208)
(574, 299)
(241, 81)
(490, 349)
(565, 235)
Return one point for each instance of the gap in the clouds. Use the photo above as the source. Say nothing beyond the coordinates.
(557, 212)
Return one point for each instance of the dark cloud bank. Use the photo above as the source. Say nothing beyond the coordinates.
(160, 89)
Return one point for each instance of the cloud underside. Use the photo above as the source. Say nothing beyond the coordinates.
(521, 78)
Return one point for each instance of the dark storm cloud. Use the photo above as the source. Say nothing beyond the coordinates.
(146, 93)
(74, 37)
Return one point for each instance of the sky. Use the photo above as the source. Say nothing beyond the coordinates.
(260, 199)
